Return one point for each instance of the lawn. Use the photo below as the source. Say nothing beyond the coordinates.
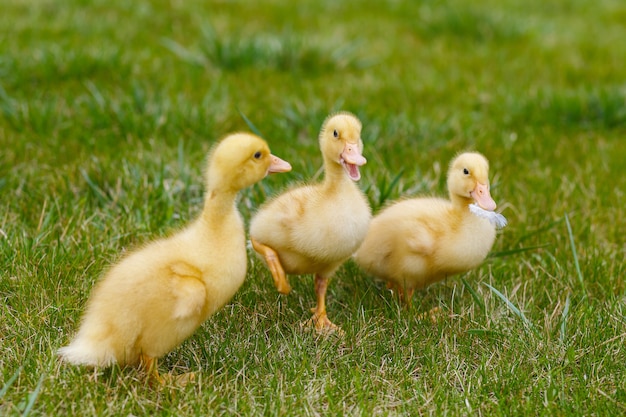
(107, 112)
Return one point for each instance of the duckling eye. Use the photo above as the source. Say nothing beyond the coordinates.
(335, 133)
(465, 171)
(257, 154)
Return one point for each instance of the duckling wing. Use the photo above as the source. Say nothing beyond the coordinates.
(188, 290)
(278, 222)
(428, 222)
(421, 242)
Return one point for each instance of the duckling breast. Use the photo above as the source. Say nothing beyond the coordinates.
(342, 223)
(469, 246)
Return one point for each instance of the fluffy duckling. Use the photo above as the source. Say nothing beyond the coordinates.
(416, 242)
(157, 296)
(314, 229)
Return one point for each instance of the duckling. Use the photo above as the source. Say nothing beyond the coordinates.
(315, 228)
(416, 242)
(157, 296)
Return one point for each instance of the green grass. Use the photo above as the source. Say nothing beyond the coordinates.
(107, 111)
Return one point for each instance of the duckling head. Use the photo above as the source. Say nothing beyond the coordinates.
(341, 144)
(468, 179)
(240, 160)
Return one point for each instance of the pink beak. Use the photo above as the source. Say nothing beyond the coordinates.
(352, 159)
(278, 165)
(482, 196)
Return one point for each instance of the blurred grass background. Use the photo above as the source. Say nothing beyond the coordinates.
(107, 111)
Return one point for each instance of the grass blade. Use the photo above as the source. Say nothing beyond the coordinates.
(183, 53)
(94, 187)
(575, 254)
(564, 318)
(32, 397)
(96, 94)
(10, 382)
(385, 191)
(538, 231)
(251, 125)
(513, 308)
(485, 333)
(508, 252)
(474, 294)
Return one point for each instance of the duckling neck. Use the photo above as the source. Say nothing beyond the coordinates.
(335, 175)
(460, 202)
(218, 205)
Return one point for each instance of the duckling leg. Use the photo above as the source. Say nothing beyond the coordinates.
(406, 295)
(150, 364)
(320, 319)
(273, 263)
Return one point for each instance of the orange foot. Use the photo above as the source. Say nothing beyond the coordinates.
(149, 364)
(322, 324)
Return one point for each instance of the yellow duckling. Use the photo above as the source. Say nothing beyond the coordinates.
(315, 228)
(415, 242)
(157, 296)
